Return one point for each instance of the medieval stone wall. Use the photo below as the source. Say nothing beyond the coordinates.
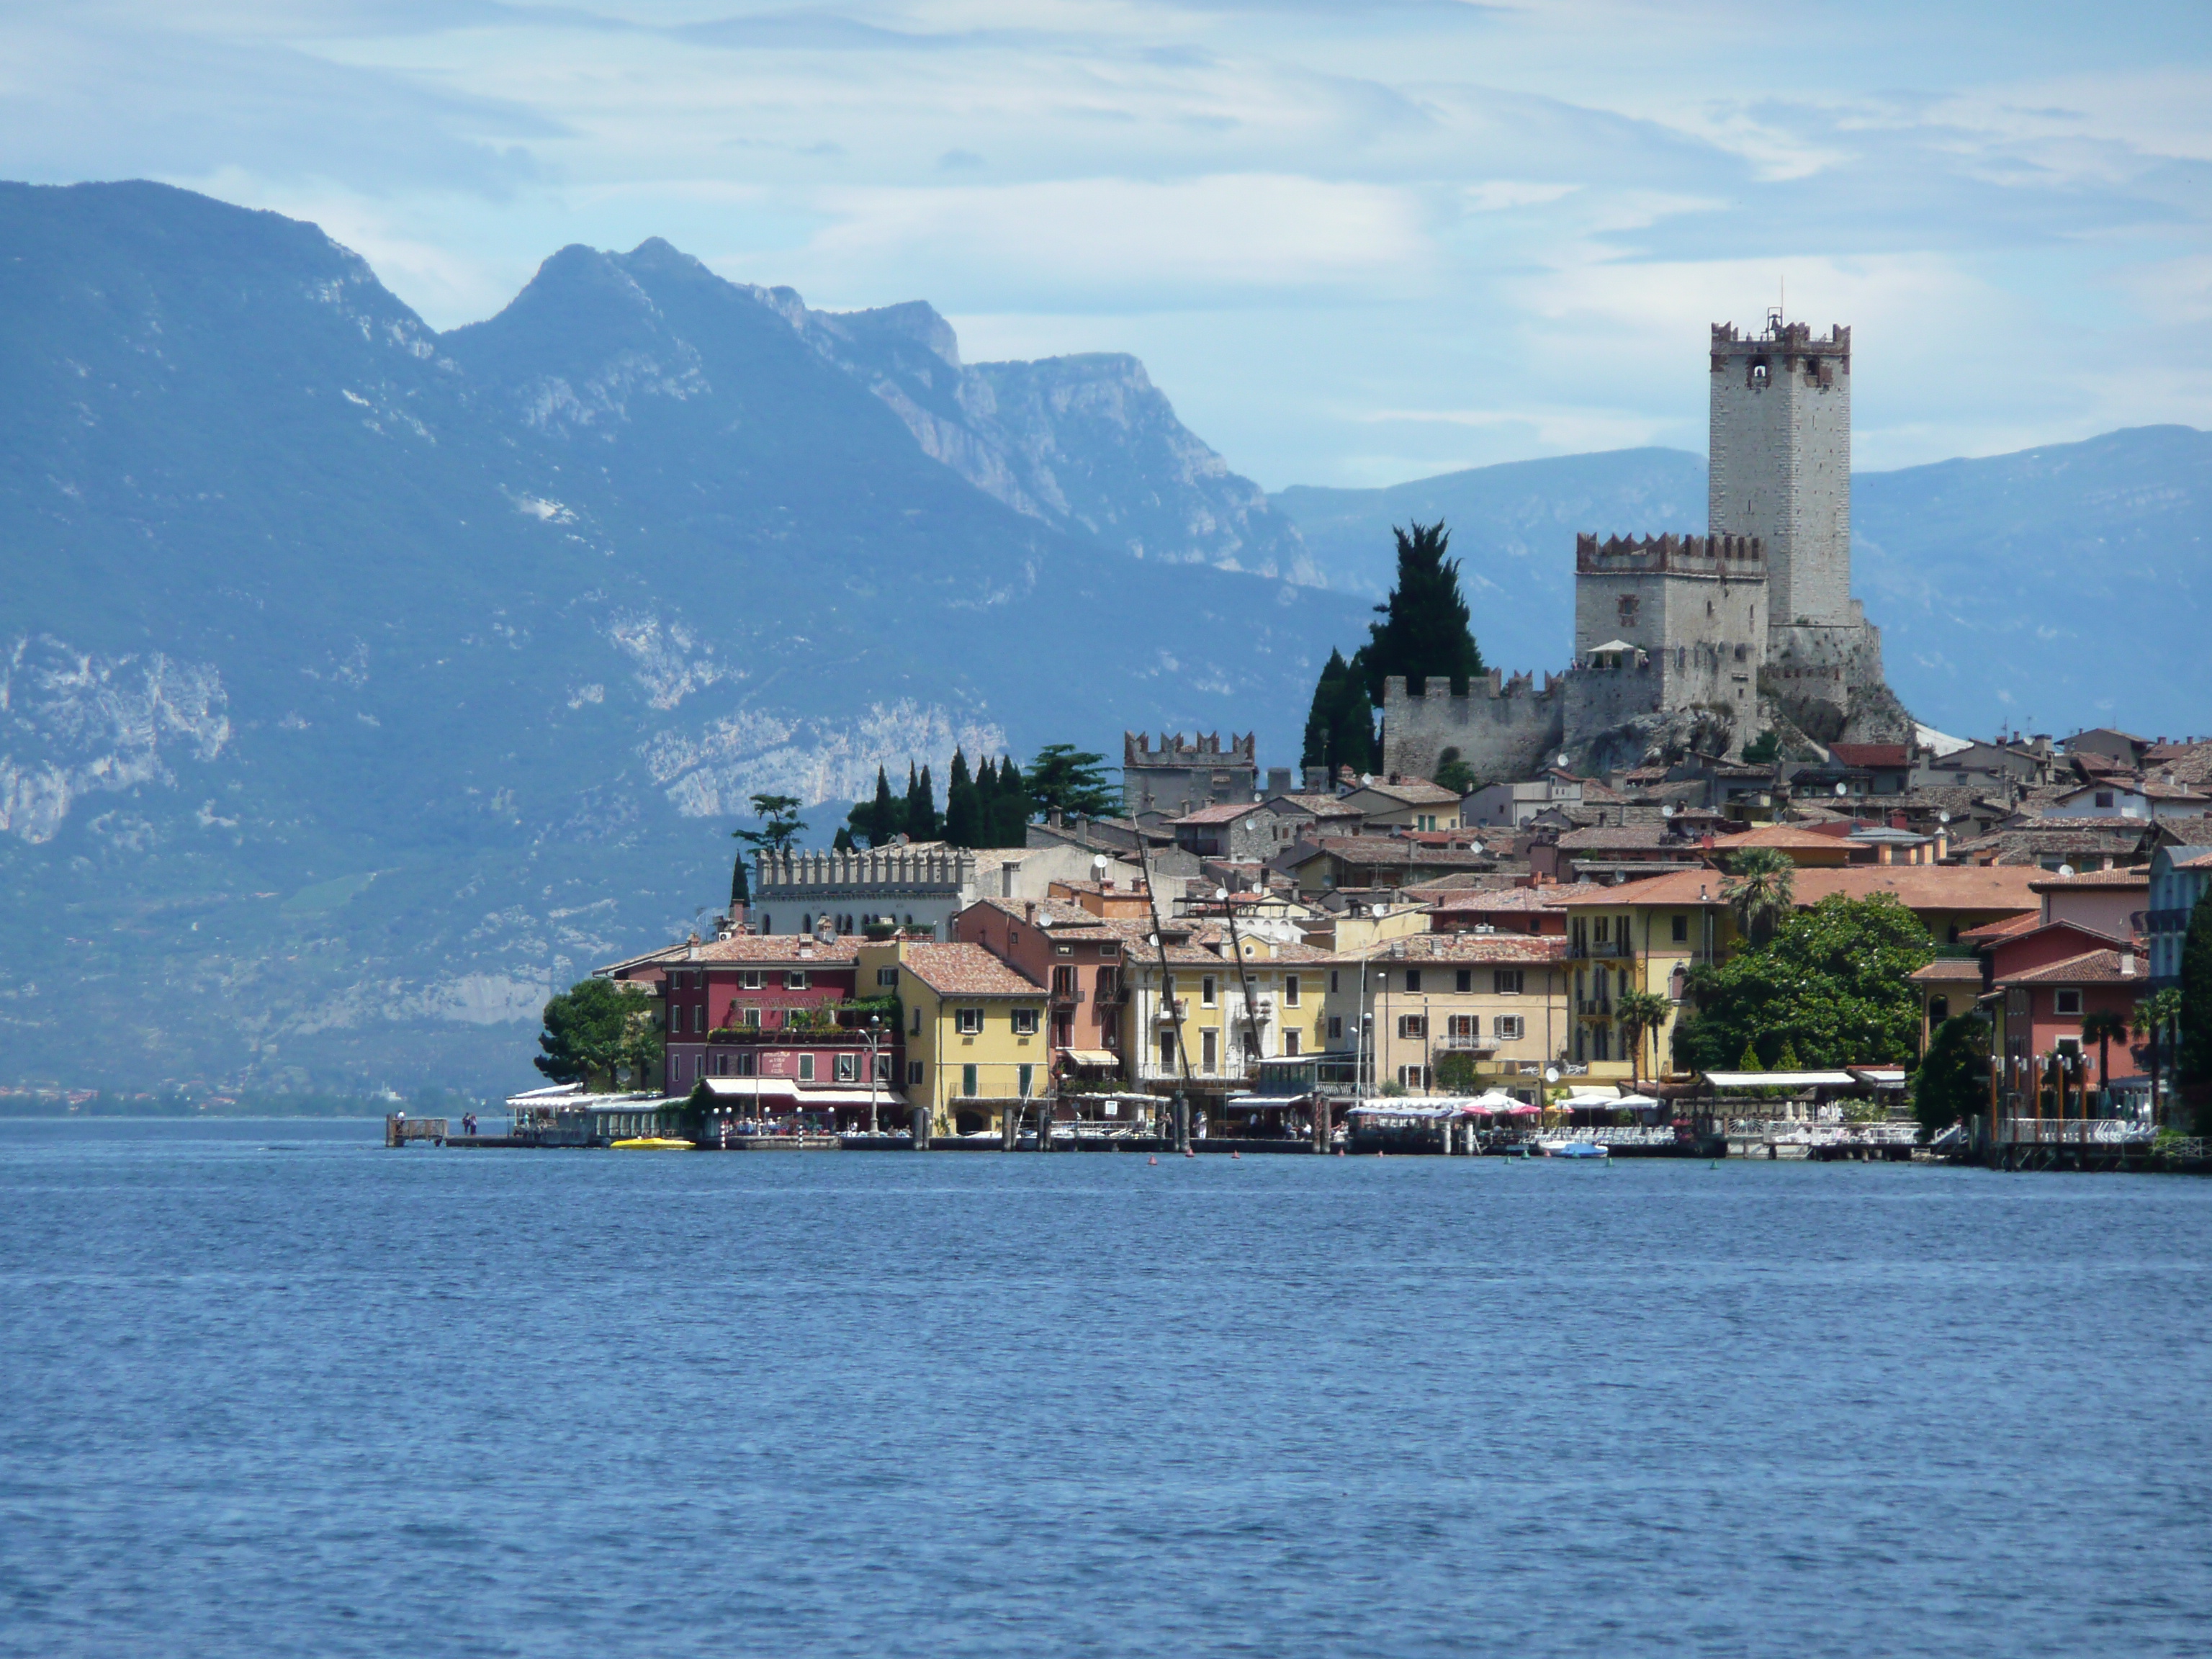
(1502, 729)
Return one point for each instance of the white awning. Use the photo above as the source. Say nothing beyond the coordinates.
(1781, 1079)
(1093, 1056)
(783, 1091)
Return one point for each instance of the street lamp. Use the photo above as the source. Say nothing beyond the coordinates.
(875, 1036)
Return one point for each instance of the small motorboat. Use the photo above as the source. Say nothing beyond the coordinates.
(1573, 1149)
(652, 1144)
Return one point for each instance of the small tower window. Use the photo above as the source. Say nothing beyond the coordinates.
(1757, 381)
(1628, 609)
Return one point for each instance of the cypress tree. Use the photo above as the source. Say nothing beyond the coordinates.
(1007, 816)
(842, 840)
(964, 812)
(1340, 725)
(921, 815)
(740, 888)
(1320, 717)
(887, 817)
(1423, 633)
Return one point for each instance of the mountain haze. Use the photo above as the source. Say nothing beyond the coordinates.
(363, 682)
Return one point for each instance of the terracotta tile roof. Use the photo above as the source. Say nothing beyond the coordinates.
(763, 950)
(1324, 806)
(1871, 754)
(1220, 812)
(1603, 837)
(966, 970)
(1460, 948)
(1945, 969)
(2003, 927)
(1414, 792)
(1390, 849)
(1040, 912)
(2139, 876)
(1553, 895)
(1785, 836)
(1917, 886)
(2092, 967)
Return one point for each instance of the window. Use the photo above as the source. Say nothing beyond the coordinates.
(1625, 984)
(1414, 1026)
(1024, 1078)
(699, 1017)
(1290, 990)
(1109, 986)
(914, 1072)
(1167, 1048)
(2066, 1004)
(1290, 1042)
(1063, 983)
(794, 979)
(1463, 980)
(968, 1022)
(967, 1081)
(749, 1019)
(1939, 1010)
(1336, 1028)
(1462, 1027)
(914, 1029)
(1510, 1027)
(1206, 991)
(1025, 1022)
(1680, 926)
(883, 1068)
(1625, 609)
(1109, 949)
(1332, 981)
(2104, 798)
(1505, 981)
(887, 975)
(806, 1068)
(849, 1068)
(1415, 1079)
(1209, 1050)
(1412, 979)
(1599, 933)
(749, 980)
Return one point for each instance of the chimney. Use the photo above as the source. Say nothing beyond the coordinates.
(2127, 964)
(1006, 878)
(1028, 910)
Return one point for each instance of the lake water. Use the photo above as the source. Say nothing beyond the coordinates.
(270, 1389)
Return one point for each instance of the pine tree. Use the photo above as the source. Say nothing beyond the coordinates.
(964, 812)
(1423, 633)
(921, 815)
(1750, 1061)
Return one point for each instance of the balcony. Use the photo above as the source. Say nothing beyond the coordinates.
(1583, 950)
(1176, 1008)
(1067, 997)
(1594, 1007)
(1466, 1045)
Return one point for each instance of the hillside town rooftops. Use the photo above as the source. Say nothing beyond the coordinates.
(765, 950)
(2091, 967)
(1945, 969)
(2135, 876)
(1871, 755)
(1917, 886)
(1220, 812)
(1459, 948)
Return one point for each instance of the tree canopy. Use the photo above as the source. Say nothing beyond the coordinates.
(1423, 633)
(1953, 1081)
(780, 824)
(1830, 987)
(1760, 888)
(1071, 781)
(594, 1028)
(964, 807)
(1340, 725)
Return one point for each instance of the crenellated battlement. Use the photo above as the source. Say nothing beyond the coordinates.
(1200, 749)
(1484, 688)
(1738, 558)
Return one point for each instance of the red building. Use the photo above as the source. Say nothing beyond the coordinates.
(779, 1006)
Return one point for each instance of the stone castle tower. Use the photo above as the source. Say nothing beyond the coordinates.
(1698, 643)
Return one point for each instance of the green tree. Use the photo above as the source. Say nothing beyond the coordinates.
(1453, 773)
(596, 1029)
(2103, 1027)
(885, 817)
(1830, 986)
(1760, 889)
(1787, 1061)
(920, 819)
(1953, 1080)
(964, 809)
(1073, 782)
(1340, 724)
(1764, 750)
(1007, 814)
(1423, 633)
(2155, 1017)
(1642, 1014)
(741, 892)
(842, 840)
(780, 824)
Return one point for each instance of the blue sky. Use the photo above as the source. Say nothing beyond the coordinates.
(1355, 244)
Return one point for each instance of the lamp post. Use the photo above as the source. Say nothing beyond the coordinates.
(875, 1037)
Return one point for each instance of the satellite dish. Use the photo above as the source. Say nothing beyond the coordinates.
(1551, 1074)
(1366, 779)
(1475, 847)
(1563, 762)
(1843, 789)
(1221, 896)
(1099, 866)
(1666, 811)
(2065, 869)
(1152, 939)
(1942, 818)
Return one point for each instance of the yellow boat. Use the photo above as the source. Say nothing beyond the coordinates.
(652, 1144)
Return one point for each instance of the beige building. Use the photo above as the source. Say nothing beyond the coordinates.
(1499, 998)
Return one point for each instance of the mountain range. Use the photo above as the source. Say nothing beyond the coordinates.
(360, 683)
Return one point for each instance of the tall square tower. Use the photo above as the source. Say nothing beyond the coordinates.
(1781, 466)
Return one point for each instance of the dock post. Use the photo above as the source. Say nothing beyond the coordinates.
(1182, 1123)
(920, 1126)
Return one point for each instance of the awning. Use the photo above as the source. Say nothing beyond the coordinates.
(1781, 1079)
(1092, 1056)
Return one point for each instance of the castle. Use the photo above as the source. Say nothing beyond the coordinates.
(1695, 644)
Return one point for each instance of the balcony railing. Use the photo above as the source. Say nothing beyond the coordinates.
(1594, 1007)
(1604, 947)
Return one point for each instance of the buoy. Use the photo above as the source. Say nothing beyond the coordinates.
(1340, 1151)
(1190, 1152)
(1235, 1154)
(1151, 1160)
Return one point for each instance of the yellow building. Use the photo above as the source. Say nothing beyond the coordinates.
(1499, 999)
(975, 1046)
(1231, 1010)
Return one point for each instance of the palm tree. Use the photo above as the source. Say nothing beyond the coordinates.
(1640, 1011)
(2154, 1015)
(1761, 889)
(2102, 1027)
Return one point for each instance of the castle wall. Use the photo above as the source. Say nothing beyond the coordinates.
(1695, 605)
(1780, 442)
(1828, 682)
(1502, 729)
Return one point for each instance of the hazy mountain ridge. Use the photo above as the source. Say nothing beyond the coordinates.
(504, 625)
